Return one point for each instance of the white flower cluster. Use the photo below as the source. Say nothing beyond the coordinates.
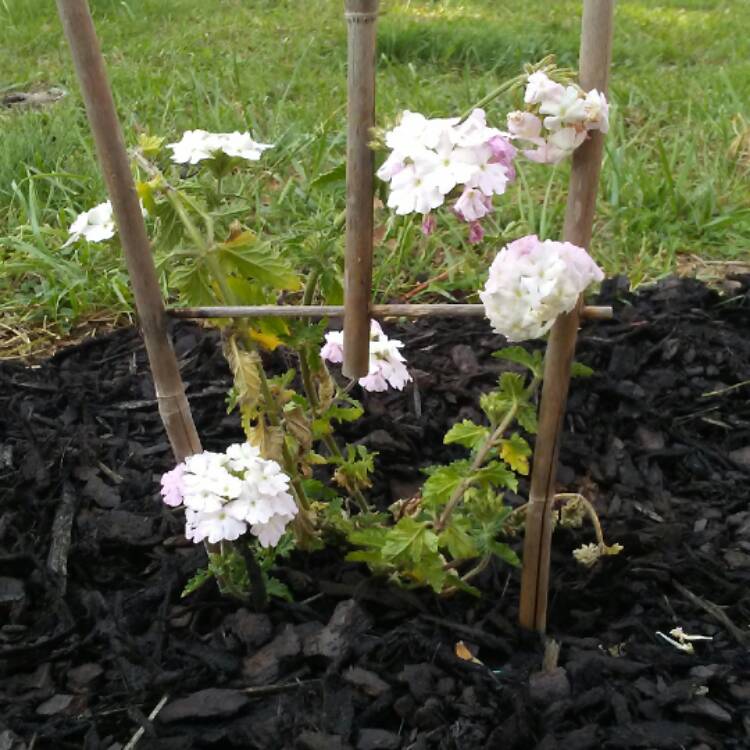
(386, 361)
(95, 225)
(532, 282)
(557, 119)
(225, 493)
(197, 145)
(433, 158)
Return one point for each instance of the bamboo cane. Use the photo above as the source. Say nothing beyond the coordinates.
(338, 311)
(110, 146)
(361, 18)
(595, 56)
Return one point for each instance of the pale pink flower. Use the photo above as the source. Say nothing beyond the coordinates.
(333, 349)
(569, 109)
(428, 227)
(540, 88)
(525, 125)
(472, 205)
(171, 486)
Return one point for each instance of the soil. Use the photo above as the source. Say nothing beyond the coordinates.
(94, 635)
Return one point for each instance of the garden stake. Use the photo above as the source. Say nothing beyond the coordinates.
(361, 16)
(435, 310)
(113, 158)
(595, 56)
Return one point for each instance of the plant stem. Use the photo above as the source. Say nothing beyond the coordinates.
(258, 592)
(328, 440)
(480, 458)
(476, 464)
(590, 511)
(501, 89)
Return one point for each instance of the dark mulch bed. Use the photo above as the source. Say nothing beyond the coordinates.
(93, 636)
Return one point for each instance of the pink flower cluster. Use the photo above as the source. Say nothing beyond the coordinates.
(434, 159)
(532, 282)
(557, 118)
(225, 493)
(387, 364)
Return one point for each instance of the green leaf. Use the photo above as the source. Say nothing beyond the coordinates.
(333, 176)
(579, 370)
(245, 256)
(455, 538)
(466, 433)
(527, 418)
(194, 284)
(442, 481)
(504, 552)
(515, 451)
(498, 475)
(274, 587)
(409, 537)
(531, 360)
(202, 575)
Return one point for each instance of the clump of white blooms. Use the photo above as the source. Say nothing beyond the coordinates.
(95, 225)
(198, 145)
(433, 160)
(387, 364)
(557, 118)
(224, 494)
(532, 282)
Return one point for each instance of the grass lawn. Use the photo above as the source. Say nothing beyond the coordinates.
(675, 178)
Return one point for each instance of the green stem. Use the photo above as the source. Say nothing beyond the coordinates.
(545, 205)
(258, 591)
(328, 440)
(485, 100)
(481, 456)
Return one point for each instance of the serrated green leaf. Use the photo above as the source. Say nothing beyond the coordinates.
(194, 284)
(498, 475)
(409, 537)
(527, 418)
(244, 256)
(274, 587)
(442, 481)
(466, 433)
(531, 360)
(456, 540)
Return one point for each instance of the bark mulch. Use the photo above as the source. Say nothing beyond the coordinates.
(94, 634)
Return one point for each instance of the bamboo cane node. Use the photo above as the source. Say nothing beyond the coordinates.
(354, 17)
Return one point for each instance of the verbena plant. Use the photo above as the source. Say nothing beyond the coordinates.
(293, 483)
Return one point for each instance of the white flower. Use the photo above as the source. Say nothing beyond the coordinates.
(587, 554)
(473, 204)
(490, 177)
(448, 166)
(531, 282)
(414, 190)
(558, 146)
(194, 146)
(243, 146)
(197, 145)
(95, 225)
(525, 125)
(473, 131)
(270, 532)
(387, 364)
(541, 88)
(596, 108)
(333, 349)
(568, 109)
(225, 493)
(212, 527)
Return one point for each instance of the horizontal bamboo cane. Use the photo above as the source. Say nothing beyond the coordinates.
(338, 311)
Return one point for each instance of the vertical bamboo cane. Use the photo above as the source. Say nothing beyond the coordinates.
(595, 56)
(113, 158)
(361, 18)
